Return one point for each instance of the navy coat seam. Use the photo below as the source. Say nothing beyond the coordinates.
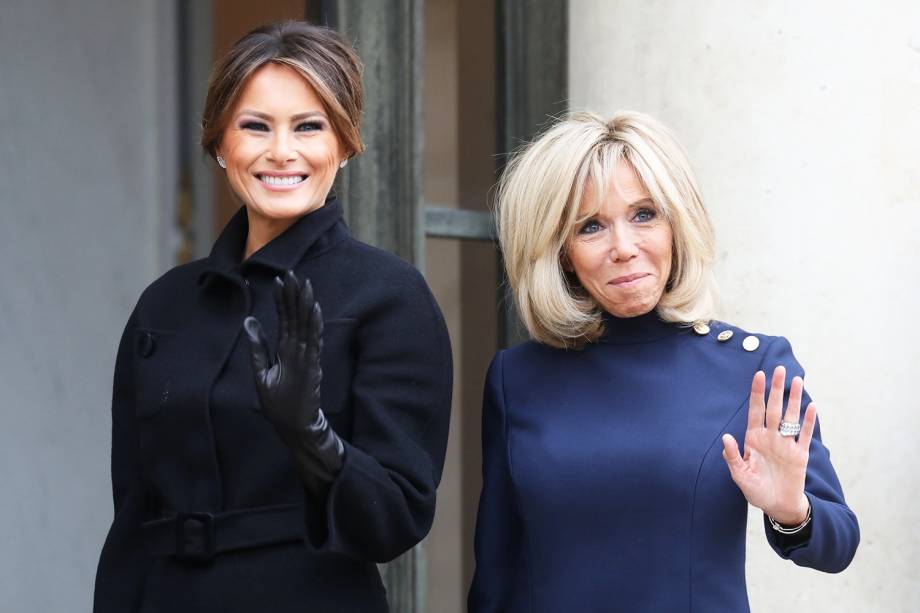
(696, 483)
(506, 431)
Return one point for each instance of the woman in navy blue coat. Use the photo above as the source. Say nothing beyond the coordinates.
(612, 474)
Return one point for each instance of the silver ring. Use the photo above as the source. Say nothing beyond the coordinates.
(789, 428)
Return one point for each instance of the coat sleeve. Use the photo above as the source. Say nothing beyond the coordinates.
(124, 563)
(382, 502)
(500, 580)
(829, 543)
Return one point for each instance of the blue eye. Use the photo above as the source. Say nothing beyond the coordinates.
(645, 215)
(257, 126)
(589, 227)
(309, 126)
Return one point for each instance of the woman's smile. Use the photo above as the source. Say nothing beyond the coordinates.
(281, 182)
(630, 280)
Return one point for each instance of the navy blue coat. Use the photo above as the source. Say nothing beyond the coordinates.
(604, 484)
(210, 515)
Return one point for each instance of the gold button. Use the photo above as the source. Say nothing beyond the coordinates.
(724, 335)
(751, 343)
(701, 328)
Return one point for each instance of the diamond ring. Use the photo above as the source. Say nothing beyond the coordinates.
(789, 428)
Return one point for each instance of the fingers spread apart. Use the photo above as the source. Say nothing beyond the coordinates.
(756, 408)
(731, 453)
(794, 407)
(808, 425)
(258, 345)
(775, 401)
(305, 305)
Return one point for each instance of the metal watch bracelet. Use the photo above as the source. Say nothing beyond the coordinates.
(793, 530)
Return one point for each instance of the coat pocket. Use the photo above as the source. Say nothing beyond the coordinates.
(338, 362)
(154, 371)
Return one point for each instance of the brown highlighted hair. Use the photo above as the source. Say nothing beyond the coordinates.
(328, 63)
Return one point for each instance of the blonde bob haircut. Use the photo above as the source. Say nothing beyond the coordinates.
(537, 211)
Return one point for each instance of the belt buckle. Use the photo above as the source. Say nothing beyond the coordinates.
(195, 537)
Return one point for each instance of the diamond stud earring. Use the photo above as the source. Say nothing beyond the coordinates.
(221, 162)
(343, 163)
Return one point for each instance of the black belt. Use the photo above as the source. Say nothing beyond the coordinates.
(200, 536)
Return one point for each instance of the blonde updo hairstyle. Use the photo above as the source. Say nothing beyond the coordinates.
(537, 211)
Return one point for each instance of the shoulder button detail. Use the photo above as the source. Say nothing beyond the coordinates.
(724, 335)
(701, 328)
(750, 343)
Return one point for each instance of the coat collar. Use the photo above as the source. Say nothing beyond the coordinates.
(280, 254)
(632, 330)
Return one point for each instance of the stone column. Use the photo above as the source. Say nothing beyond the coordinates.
(381, 189)
(532, 89)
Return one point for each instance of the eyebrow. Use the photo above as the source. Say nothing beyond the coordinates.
(296, 117)
(642, 201)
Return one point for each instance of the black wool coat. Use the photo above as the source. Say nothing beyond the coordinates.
(209, 512)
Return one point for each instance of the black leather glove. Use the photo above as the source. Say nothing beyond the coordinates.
(289, 385)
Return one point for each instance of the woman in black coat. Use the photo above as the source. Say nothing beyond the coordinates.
(251, 474)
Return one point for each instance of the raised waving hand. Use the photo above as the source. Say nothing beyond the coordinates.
(771, 473)
(289, 382)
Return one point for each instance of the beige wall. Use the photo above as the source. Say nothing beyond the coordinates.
(87, 193)
(803, 121)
